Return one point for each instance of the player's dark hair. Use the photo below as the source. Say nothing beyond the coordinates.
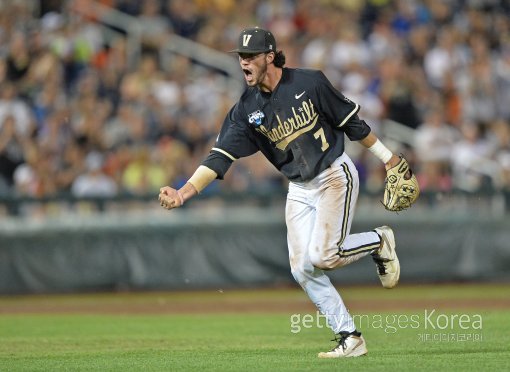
(279, 59)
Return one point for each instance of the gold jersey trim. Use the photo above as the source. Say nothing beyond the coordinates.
(224, 153)
(356, 108)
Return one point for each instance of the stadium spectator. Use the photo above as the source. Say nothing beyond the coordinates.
(472, 161)
(94, 183)
(72, 84)
(12, 152)
(154, 27)
(433, 143)
(144, 173)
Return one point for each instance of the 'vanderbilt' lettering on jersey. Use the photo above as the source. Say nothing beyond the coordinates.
(299, 127)
(292, 127)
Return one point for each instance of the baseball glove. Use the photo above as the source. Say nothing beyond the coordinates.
(401, 187)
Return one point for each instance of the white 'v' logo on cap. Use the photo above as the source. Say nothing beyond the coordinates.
(246, 40)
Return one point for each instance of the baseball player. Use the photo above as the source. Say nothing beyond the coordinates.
(298, 120)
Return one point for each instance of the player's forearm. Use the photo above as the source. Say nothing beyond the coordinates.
(369, 140)
(202, 177)
(187, 192)
(376, 147)
(170, 198)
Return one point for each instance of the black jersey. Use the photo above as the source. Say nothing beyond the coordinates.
(299, 127)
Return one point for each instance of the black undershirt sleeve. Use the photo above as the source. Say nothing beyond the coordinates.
(356, 129)
(234, 142)
(218, 163)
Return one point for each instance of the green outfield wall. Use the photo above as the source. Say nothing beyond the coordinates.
(230, 249)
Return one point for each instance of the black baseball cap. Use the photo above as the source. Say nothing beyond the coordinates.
(255, 40)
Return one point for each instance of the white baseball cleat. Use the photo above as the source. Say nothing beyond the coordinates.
(349, 345)
(385, 258)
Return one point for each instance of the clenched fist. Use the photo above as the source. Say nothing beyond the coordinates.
(170, 198)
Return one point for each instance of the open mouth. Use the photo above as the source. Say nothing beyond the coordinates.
(248, 75)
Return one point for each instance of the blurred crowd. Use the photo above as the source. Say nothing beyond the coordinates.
(77, 116)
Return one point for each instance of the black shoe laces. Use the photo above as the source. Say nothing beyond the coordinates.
(379, 261)
(341, 337)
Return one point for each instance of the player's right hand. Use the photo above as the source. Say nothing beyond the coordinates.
(168, 198)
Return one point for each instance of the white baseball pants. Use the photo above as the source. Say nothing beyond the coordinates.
(319, 215)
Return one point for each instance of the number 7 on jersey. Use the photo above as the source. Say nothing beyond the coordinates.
(320, 133)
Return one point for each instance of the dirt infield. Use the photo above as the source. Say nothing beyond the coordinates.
(258, 301)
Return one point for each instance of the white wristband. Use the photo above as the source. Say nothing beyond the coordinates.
(381, 151)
